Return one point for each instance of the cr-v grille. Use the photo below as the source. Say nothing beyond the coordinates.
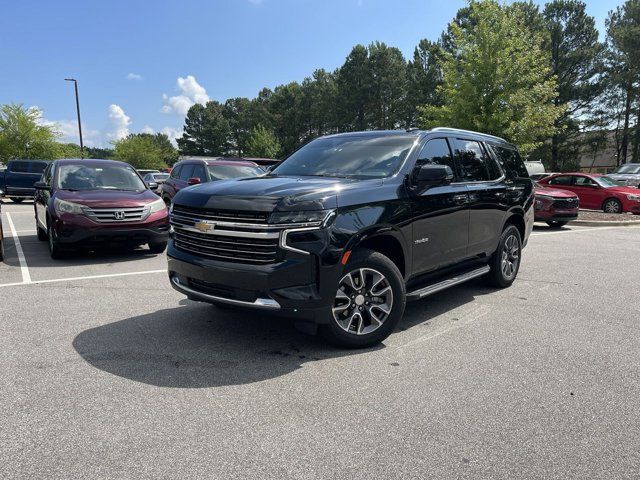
(116, 215)
(241, 237)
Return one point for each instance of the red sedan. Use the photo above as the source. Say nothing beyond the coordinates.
(597, 192)
(554, 206)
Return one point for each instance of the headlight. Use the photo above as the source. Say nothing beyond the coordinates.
(311, 218)
(153, 207)
(62, 206)
(631, 196)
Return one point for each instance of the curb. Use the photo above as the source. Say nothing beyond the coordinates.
(604, 223)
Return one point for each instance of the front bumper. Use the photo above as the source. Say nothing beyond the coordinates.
(557, 215)
(291, 287)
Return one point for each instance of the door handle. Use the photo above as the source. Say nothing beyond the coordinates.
(460, 199)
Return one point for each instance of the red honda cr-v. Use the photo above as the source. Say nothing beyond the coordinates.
(98, 202)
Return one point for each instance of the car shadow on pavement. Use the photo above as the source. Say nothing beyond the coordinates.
(197, 345)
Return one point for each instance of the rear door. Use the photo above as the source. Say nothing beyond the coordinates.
(441, 215)
(485, 183)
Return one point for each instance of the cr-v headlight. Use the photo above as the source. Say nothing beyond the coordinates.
(153, 207)
(310, 218)
(62, 206)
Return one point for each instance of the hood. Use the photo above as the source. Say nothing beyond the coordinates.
(108, 198)
(271, 193)
(554, 192)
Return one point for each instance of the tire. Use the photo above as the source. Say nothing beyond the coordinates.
(17, 200)
(54, 247)
(167, 201)
(509, 250)
(612, 205)
(556, 224)
(42, 235)
(366, 319)
(157, 247)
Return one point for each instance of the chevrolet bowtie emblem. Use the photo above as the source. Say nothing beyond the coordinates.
(204, 226)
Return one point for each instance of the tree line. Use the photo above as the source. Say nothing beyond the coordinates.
(540, 77)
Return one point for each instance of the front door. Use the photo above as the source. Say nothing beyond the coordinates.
(589, 192)
(441, 215)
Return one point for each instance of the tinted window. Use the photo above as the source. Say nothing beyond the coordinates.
(223, 172)
(472, 161)
(175, 173)
(37, 167)
(511, 161)
(561, 180)
(198, 171)
(186, 171)
(435, 152)
(19, 167)
(46, 176)
(353, 156)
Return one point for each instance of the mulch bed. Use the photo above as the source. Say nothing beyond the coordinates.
(607, 217)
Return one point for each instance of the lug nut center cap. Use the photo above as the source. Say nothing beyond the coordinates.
(359, 300)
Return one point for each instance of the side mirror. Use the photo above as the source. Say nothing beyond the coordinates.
(152, 185)
(193, 181)
(432, 175)
(41, 186)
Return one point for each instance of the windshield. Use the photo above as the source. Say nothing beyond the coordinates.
(99, 177)
(628, 169)
(224, 172)
(351, 157)
(606, 182)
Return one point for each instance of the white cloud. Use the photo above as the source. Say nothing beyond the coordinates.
(134, 76)
(68, 129)
(191, 92)
(119, 123)
(148, 129)
(172, 133)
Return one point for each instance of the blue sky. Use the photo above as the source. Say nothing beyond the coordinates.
(141, 64)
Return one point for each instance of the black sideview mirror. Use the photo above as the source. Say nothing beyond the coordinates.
(430, 175)
(41, 186)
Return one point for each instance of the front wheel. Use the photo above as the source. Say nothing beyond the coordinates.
(54, 247)
(556, 224)
(42, 235)
(157, 247)
(505, 262)
(611, 205)
(369, 302)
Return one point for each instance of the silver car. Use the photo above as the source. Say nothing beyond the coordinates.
(627, 174)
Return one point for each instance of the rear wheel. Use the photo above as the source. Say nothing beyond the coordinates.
(17, 200)
(612, 205)
(505, 262)
(369, 302)
(556, 224)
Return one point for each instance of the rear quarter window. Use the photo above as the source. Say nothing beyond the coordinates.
(19, 167)
(510, 160)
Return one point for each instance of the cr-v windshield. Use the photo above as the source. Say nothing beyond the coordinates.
(99, 177)
(349, 156)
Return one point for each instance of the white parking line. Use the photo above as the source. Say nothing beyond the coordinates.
(26, 278)
(587, 229)
(89, 277)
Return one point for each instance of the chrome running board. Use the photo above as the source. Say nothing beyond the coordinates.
(449, 282)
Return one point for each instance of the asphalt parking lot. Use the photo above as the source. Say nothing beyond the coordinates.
(106, 372)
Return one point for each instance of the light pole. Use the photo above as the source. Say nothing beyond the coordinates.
(75, 84)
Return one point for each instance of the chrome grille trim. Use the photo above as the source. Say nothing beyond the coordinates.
(107, 215)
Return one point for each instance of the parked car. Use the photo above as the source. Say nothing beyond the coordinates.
(534, 167)
(350, 226)
(555, 207)
(627, 174)
(16, 181)
(597, 192)
(194, 171)
(143, 171)
(97, 202)
(1, 234)
(155, 179)
(539, 176)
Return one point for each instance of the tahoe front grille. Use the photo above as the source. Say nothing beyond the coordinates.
(566, 203)
(116, 215)
(240, 237)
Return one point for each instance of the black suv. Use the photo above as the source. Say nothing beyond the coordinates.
(350, 226)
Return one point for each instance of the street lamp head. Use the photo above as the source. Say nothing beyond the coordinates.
(70, 79)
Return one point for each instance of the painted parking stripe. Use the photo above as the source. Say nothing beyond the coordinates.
(587, 229)
(24, 269)
(89, 277)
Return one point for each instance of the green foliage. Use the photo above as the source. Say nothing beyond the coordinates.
(424, 76)
(143, 150)
(206, 131)
(23, 136)
(262, 143)
(496, 78)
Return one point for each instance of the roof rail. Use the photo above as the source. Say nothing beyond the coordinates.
(459, 130)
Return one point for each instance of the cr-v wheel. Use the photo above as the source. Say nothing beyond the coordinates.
(369, 301)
